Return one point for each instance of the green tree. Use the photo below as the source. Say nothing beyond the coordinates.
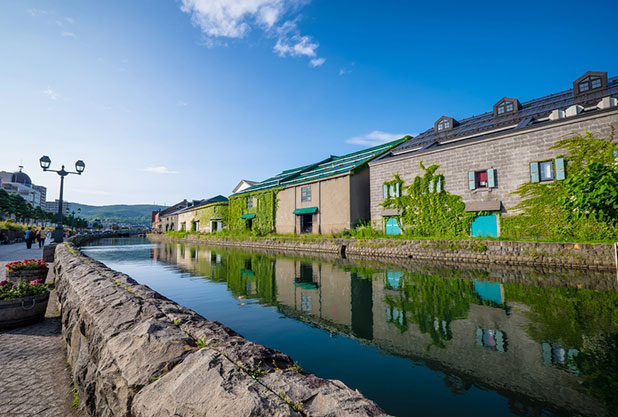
(584, 206)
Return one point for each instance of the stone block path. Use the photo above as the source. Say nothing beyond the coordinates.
(34, 376)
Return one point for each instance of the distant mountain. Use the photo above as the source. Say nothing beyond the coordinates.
(133, 214)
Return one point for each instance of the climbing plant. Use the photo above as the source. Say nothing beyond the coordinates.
(427, 209)
(583, 207)
(264, 207)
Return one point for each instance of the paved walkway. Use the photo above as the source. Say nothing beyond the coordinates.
(34, 377)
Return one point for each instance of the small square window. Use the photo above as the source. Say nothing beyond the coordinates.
(481, 179)
(546, 171)
(440, 126)
(500, 109)
(509, 107)
(446, 124)
(584, 87)
(250, 202)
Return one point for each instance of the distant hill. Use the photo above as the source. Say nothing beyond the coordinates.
(133, 214)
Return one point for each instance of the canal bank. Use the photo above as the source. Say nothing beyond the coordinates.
(579, 256)
(134, 352)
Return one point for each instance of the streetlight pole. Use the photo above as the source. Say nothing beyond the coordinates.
(79, 168)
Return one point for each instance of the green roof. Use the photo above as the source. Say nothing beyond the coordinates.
(329, 167)
(306, 210)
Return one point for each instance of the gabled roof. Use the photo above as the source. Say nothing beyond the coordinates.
(329, 167)
(201, 203)
(533, 112)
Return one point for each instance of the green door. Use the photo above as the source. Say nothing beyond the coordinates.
(392, 226)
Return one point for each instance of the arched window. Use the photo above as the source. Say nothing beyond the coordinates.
(444, 123)
(506, 105)
(590, 81)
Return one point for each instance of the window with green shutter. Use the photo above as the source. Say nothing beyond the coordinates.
(534, 172)
(471, 180)
(560, 173)
(491, 178)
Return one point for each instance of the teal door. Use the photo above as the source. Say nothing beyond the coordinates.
(485, 225)
(392, 226)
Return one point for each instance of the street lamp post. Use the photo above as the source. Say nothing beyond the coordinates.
(79, 168)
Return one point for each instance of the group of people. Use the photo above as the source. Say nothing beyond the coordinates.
(37, 236)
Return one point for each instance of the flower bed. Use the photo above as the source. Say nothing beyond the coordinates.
(28, 269)
(22, 302)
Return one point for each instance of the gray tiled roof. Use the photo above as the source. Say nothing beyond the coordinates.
(532, 112)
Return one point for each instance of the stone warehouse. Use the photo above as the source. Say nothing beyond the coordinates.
(321, 198)
(485, 158)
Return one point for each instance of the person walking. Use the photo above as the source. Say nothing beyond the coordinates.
(29, 238)
(42, 237)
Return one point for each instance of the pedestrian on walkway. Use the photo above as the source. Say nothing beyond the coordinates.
(29, 238)
(42, 237)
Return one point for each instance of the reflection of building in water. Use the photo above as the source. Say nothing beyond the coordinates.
(486, 345)
(465, 328)
(492, 339)
(554, 354)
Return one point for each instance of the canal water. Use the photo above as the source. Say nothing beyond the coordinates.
(419, 339)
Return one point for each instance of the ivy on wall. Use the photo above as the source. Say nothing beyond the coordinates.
(582, 207)
(427, 209)
(264, 207)
(215, 210)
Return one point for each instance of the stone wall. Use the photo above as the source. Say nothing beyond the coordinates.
(133, 352)
(588, 256)
(510, 154)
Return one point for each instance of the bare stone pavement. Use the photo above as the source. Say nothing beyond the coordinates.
(34, 376)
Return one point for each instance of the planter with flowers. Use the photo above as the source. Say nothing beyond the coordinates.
(22, 302)
(28, 270)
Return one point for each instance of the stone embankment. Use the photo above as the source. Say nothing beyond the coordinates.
(133, 352)
(585, 256)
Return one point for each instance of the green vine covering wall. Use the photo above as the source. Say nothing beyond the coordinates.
(582, 207)
(215, 210)
(264, 207)
(427, 209)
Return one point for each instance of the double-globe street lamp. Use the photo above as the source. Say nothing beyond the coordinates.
(79, 168)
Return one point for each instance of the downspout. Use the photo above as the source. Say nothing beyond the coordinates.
(616, 258)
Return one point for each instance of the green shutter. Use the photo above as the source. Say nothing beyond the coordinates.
(559, 169)
(534, 172)
(471, 181)
(491, 178)
(385, 191)
(439, 185)
(397, 194)
(431, 186)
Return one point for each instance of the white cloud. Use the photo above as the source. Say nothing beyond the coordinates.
(70, 20)
(159, 170)
(50, 93)
(35, 12)
(67, 35)
(317, 62)
(374, 138)
(233, 19)
(182, 103)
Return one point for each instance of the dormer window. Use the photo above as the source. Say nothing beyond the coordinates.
(506, 105)
(590, 81)
(444, 123)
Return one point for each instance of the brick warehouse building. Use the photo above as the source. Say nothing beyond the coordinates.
(485, 158)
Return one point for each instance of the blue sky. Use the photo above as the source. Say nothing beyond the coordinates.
(166, 100)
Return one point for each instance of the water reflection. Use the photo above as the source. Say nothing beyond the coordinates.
(545, 349)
